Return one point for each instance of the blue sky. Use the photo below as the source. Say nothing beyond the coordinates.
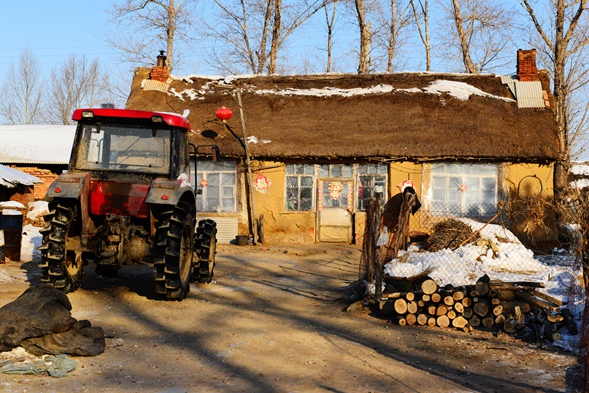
(53, 31)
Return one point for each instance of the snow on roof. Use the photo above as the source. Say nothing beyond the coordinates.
(459, 90)
(34, 144)
(10, 177)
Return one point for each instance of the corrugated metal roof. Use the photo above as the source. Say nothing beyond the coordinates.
(528, 94)
(509, 80)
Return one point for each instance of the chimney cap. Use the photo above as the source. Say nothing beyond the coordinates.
(161, 59)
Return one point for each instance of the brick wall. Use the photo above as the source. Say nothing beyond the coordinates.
(526, 65)
(160, 73)
(39, 190)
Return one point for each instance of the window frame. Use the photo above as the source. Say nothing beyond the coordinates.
(465, 207)
(201, 197)
(308, 171)
(378, 167)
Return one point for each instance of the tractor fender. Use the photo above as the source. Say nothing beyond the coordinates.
(68, 185)
(168, 192)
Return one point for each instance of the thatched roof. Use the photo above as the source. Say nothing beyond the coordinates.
(412, 116)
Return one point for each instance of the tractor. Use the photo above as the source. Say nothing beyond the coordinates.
(128, 197)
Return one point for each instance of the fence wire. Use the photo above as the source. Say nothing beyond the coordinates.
(457, 247)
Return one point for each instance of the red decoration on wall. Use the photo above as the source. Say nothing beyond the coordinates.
(223, 114)
(204, 183)
(463, 187)
(262, 183)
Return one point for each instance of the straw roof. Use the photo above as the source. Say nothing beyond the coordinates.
(409, 116)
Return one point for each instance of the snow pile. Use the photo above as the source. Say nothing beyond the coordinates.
(464, 265)
(501, 256)
(31, 239)
(37, 209)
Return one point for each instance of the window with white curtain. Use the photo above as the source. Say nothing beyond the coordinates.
(465, 190)
(218, 182)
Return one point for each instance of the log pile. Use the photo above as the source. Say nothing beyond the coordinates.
(518, 308)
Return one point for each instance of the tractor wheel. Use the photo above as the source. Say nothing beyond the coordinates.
(174, 252)
(60, 266)
(205, 249)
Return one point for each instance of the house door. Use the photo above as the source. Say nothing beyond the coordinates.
(335, 198)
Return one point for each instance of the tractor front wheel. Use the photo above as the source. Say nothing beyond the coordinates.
(205, 249)
(174, 252)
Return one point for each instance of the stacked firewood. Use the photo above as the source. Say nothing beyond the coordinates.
(517, 308)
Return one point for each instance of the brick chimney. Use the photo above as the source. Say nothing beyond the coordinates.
(526, 65)
(160, 72)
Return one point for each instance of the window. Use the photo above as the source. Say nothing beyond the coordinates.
(335, 170)
(218, 182)
(299, 187)
(124, 149)
(464, 190)
(372, 179)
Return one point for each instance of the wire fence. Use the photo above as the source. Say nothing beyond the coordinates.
(455, 247)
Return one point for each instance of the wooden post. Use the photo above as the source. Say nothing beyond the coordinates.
(251, 210)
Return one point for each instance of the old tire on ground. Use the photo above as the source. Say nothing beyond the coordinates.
(174, 252)
(60, 267)
(205, 249)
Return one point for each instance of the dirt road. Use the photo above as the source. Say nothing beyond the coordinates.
(273, 322)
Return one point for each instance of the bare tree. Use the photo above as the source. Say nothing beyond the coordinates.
(480, 32)
(21, 95)
(365, 36)
(252, 32)
(565, 36)
(399, 19)
(76, 83)
(143, 27)
(330, 19)
(421, 15)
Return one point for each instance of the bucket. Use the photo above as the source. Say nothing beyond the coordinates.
(241, 240)
(12, 224)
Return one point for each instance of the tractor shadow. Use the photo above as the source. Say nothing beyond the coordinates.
(138, 279)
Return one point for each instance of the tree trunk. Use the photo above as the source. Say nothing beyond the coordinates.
(365, 37)
(275, 37)
(170, 32)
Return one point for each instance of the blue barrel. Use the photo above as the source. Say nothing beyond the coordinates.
(1, 240)
(12, 224)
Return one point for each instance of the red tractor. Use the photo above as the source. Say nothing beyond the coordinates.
(128, 197)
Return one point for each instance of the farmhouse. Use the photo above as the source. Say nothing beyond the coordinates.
(319, 146)
(42, 151)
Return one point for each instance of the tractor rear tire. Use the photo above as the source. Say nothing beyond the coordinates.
(60, 267)
(205, 249)
(174, 252)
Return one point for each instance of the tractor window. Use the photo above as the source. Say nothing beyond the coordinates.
(124, 148)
